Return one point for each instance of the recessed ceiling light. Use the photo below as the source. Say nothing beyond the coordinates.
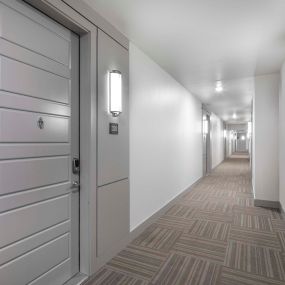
(234, 115)
(219, 87)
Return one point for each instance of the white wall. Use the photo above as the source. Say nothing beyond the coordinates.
(265, 127)
(217, 140)
(165, 137)
(282, 138)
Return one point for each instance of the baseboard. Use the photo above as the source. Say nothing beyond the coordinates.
(267, 204)
(138, 230)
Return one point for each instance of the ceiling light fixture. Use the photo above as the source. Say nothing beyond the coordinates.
(234, 115)
(219, 87)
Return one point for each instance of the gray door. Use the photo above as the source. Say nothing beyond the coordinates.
(241, 142)
(206, 126)
(39, 119)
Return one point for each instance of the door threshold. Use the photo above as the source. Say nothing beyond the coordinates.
(78, 279)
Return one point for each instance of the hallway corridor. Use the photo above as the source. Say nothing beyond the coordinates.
(212, 235)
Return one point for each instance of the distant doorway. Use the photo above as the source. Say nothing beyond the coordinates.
(242, 143)
(206, 127)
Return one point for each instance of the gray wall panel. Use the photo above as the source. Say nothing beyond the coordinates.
(113, 150)
(113, 215)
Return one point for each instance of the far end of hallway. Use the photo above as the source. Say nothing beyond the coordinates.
(212, 235)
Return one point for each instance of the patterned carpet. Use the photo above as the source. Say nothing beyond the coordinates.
(213, 235)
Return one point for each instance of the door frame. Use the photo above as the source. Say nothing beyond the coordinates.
(85, 24)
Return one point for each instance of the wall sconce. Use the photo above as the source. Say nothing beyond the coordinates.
(249, 129)
(205, 127)
(115, 92)
(219, 87)
(225, 134)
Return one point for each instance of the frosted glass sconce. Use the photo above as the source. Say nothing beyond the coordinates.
(205, 127)
(115, 92)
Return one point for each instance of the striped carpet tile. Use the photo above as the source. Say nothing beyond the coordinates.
(212, 250)
(182, 269)
(244, 202)
(256, 260)
(141, 263)
(245, 195)
(243, 189)
(223, 194)
(158, 237)
(234, 277)
(267, 239)
(250, 210)
(177, 223)
(217, 206)
(197, 196)
(191, 204)
(254, 222)
(107, 276)
(281, 238)
(200, 187)
(181, 211)
(276, 214)
(278, 225)
(210, 230)
(215, 216)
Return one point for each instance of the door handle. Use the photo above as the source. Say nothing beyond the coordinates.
(75, 184)
(75, 165)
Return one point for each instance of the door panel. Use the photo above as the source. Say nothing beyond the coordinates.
(19, 199)
(32, 219)
(18, 175)
(34, 36)
(26, 56)
(24, 79)
(39, 137)
(19, 126)
(30, 266)
(10, 100)
(34, 241)
(10, 150)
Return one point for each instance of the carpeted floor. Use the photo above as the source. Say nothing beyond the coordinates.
(213, 235)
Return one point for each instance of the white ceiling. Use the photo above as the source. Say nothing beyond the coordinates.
(201, 41)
